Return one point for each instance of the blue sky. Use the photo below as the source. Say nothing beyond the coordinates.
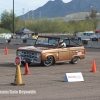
(22, 6)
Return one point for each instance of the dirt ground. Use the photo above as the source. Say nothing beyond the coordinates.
(47, 83)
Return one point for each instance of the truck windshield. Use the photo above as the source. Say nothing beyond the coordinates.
(47, 41)
(92, 33)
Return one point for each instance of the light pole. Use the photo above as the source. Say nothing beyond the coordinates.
(90, 9)
(32, 14)
(13, 16)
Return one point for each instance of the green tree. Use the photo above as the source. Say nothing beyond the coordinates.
(87, 17)
(93, 14)
(2, 30)
(7, 20)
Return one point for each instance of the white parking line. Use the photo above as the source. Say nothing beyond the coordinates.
(9, 61)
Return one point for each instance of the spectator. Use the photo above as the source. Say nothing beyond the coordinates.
(33, 36)
(36, 35)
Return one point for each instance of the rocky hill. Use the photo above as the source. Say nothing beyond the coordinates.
(58, 8)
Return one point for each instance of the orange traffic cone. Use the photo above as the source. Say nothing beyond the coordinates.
(6, 50)
(26, 70)
(94, 66)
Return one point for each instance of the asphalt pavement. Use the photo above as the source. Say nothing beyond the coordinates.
(47, 83)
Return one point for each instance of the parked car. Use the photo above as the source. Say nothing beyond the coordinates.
(6, 36)
(46, 51)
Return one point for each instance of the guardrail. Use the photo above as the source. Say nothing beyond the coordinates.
(2, 40)
(30, 41)
(16, 41)
(93, 44)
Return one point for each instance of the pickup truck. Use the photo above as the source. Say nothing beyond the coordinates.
(46, 51)
(86, 36)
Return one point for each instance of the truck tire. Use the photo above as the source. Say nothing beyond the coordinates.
(48, 61)
(74, 60)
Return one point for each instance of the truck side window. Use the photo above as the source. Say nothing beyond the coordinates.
(84, 33)
(88, 34)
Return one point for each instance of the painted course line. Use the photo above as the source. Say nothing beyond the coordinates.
(8, 61)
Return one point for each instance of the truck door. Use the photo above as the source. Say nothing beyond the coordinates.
(84, 36)
(63, 54)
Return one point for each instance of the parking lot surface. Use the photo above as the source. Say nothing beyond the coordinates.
(47, 83)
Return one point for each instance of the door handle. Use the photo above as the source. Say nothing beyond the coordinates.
(76, 51)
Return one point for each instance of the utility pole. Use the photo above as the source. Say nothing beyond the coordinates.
(23, 13)
(13, 17)
(28, 14)
(40, 14)
(0, 17)
(90, 9)
(23, 16)
(32, 14)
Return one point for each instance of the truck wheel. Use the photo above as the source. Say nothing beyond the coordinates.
(48, 61)
(74, 60)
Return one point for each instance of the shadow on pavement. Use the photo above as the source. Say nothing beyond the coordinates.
(7, 65)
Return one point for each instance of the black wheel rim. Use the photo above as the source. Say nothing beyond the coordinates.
(75, 60)
(48, 61)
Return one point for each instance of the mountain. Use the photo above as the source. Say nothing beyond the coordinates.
(58, 8)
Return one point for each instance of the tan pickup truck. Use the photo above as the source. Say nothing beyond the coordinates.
(46, 51)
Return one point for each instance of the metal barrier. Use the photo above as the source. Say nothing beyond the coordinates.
(2, 40)
(16, 41)
(93, 44)
(30, 41)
